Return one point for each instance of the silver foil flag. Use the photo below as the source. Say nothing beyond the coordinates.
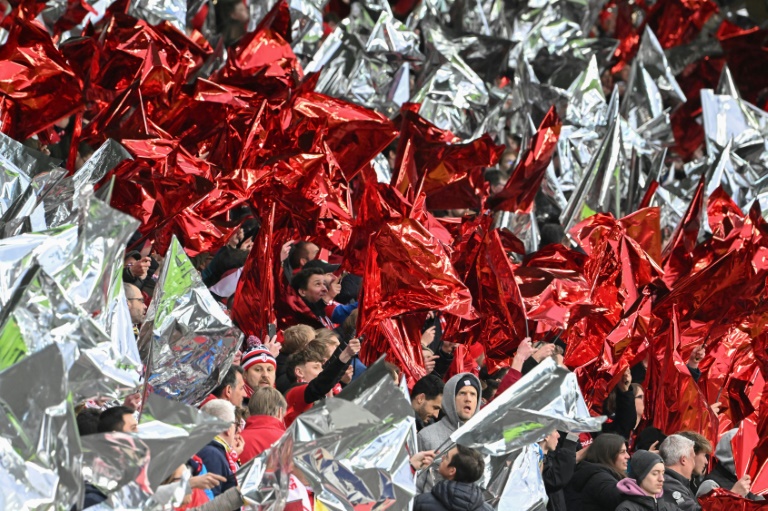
(515, 480)
(155, 12)
(351, 449)
(545, 399)
(187, 341)
(40, 455)
(600, 190)
(174, 432)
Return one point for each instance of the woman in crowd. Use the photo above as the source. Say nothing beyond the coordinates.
(593, 486)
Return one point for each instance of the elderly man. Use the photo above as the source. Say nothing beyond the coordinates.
(679, 461)
(216, 455)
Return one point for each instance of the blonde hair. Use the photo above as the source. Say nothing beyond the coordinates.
(267, 401)
(296, 338)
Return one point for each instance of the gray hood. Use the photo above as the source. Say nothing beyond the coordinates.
(724, 452)
(449, 397)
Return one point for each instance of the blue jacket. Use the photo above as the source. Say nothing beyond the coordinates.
(215, 459)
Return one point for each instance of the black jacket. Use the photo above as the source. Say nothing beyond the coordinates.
(593, 488)
(559, 466)
(677, 492)
(623, 421)
(452, 496)
(644, 503)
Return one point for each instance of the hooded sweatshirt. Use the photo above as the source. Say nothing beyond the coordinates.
(724, 473)
(637, 500)
(434, 436)
(437, 434)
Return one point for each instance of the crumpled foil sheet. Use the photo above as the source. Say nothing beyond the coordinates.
(173, 432)
(187, 341)
(351, 450)
(157, 11)
(55, 286)
(41, 457)
(545, 399)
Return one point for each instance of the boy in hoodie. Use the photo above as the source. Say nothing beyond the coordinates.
(461, 398)
(460, 468)
(645, 485)
(724, 473)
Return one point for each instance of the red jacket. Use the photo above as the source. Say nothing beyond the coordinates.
(260, 432)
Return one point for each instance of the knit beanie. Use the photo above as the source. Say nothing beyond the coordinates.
(257, 355)
(468, 380)
(641, 463)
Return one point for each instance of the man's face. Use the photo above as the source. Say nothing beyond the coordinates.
(260, 375)
(312, 251)
(446, 471)
(129, 424)
(238, 391)
(700, 463)
(316, 289)
(309, 371)
(136, 305)
(466, 403)
(428, 409)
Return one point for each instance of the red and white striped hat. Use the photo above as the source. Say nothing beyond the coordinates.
(258, 355)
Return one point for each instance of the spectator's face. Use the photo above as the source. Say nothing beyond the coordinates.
(309, 371)
(316, 289)
(550, 441)
(466, 403)
(239, 13)
(428, 409)
(237, 393)
(138, 267)
(136, 305)
(260, 375)
(445, 470)
(653, 483)
(639, 403)
(622, 459)
(129, 424)
(312, 251)
(700, 463)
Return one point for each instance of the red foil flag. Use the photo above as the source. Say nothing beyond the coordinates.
(254, 305)
(37, 85)
(746, 51)
(355, 134)
(263, 60)
(408, 270)
(755, 463)
(720, 499)
(521, 188)
(678, 22)
(678, 254)
(623, 347)
(433, 161)
(675, 401)
(161, 182)
(503, 323)
(396, 338)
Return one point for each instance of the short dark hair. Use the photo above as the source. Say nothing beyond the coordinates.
(309, 353)
(301, 279)
(111, 419)
(88, 421)
(604, 450)
(469, 465)
(700, 442)
(298, 252)
(230, 379)
(430, 385)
